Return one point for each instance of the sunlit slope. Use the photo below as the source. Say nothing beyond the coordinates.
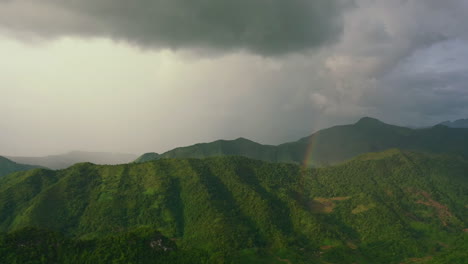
(333, 145)
(386, 206)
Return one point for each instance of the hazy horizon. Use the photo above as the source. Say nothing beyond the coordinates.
(70, 152)
(160, 152)
(149, 76)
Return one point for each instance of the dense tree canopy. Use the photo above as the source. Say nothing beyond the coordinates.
(389, 207)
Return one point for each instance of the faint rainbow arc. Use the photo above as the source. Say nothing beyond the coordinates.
(307, 158)
(308, 154)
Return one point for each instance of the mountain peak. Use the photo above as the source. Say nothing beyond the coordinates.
(243, 139)
(369, 121)
(148, 157)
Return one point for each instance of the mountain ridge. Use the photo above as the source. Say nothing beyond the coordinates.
(460, 123)
(8, 166)
(332, 145)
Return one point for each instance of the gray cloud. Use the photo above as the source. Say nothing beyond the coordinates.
(401, 61)
(382, 66)
(266, 27)
(430, 85)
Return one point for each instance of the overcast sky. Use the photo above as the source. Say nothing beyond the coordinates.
(150, 75)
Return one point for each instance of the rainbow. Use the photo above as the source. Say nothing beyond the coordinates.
(308, 154)
(305, 165)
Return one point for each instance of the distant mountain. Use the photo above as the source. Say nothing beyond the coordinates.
(147, 157)
(389, 207)
(237, 147)
(333, 145)
(460, 123)
(66, 160)
(7, 166)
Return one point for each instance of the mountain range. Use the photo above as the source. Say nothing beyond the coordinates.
(460, 123)
(333, 145)
(368, 192)
(325, 147)
(66, 160)
(388, 207)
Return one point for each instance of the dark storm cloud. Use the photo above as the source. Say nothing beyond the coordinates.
(266, 27)
(401, 61)
(425, 88)
(427, 94)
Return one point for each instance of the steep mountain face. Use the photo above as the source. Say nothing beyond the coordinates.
(378, 208)
(66, 160)
(336, 144)
(7, 166)
(460, 123)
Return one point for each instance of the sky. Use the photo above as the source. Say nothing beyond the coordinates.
(150, 75)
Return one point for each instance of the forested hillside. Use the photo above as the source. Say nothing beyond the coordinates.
(389, 207)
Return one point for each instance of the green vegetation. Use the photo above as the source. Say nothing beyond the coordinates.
(333, 145)
(390, 207)
(7, 166)
(144, 245)
(148, 157)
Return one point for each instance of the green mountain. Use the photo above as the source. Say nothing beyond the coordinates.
(389, 207)
(333, 145)
(141, 245)
(237, 147)
(7, 166)
(66, 160)
(147, 157)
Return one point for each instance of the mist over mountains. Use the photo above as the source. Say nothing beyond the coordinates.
(66, 160)
(325, 147)
(376, 193)
(460, 123)
(243, 116)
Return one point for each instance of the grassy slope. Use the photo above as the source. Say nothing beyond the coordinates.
(379, 208)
